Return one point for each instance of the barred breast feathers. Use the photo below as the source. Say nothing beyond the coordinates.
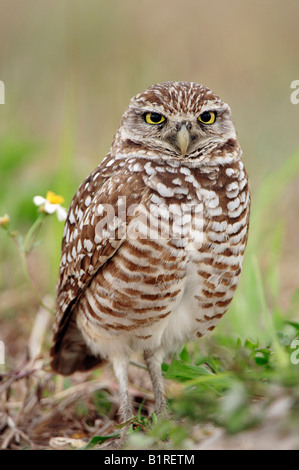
(208, 190)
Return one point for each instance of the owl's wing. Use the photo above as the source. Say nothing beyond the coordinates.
(94, 231)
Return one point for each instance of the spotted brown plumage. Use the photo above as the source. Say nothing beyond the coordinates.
(155, 237)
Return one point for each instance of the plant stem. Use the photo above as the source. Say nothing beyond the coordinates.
(24, 247)
(278, 350)
(29, 280)
(32, 233)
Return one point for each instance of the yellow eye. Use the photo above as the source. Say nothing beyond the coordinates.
(154, 118)
(208, 117)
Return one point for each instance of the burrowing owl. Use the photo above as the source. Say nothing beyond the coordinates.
(155, 237)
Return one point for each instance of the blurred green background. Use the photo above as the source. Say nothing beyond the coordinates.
(70, 68)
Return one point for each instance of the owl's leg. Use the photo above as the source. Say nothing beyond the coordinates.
(120, 366)
(153, 360)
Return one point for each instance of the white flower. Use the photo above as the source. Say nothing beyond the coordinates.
(50, 204)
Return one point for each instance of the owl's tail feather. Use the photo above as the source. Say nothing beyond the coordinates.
(70, 353)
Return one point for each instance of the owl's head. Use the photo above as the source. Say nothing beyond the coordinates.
(179, 120)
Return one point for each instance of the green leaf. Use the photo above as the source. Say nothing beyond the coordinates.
(261, 361)
(182, 371)
(184, 355)
(98, 440)
(294, 324)
(250, 344)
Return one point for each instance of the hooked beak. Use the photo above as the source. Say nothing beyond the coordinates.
(183, 139)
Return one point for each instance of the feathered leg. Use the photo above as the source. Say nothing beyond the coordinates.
(153, 360)
(120, 366)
